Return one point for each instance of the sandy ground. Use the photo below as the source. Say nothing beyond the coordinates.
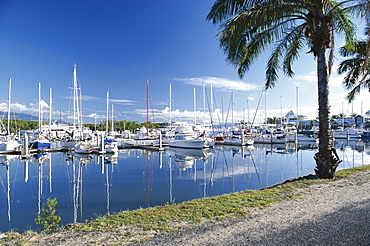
(333, 213)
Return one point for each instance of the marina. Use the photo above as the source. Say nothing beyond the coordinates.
(91, 185)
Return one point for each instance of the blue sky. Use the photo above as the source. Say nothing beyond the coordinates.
(118, 45)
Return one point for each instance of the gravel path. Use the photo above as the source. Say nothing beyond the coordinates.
(332, 213)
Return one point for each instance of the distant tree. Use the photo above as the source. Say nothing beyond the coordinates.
(16, 125)
(123, 125)
(338, 116)
(273, 120)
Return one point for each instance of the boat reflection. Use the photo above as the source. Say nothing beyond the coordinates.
(185, 158)
(5, 160)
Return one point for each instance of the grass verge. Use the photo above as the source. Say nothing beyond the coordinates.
(162, 218)
(346, 172)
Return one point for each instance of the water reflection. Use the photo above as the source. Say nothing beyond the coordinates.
(185, 158)
(4, 160)
(91, 185)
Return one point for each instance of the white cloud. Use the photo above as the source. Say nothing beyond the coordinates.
(219, 83)
(19, 107)
(88, 98)
(95, 115)
(121, 101)
(304, 82)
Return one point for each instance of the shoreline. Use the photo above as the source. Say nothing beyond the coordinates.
(317, 200)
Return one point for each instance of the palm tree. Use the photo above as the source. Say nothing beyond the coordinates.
(248, 27)
(356, 77)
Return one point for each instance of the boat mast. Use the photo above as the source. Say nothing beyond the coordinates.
(249, 127)
(39, 108)
(9, 94)
(79, 111)
(281, 113)
(211, 95)
(204, 103)
(75, 97)
(170, 123)
(223, 123)
(77, 104)
(147, 106)
(266, 108)
(232, 110)
(112, 119)
(297, 110)
(195, 107)
(342, 116)
(107, 115)
(50, 109)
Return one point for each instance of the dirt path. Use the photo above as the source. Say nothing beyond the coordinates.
(333, 213)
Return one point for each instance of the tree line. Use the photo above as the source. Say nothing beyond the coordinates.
(15, 125)
(123, 125)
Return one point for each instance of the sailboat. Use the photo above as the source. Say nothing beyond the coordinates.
(83, 147)
(7, 142)
(145, 138)
(269, 136)
(109, 145)
(41, 142)
(75, 131)
(236, 136)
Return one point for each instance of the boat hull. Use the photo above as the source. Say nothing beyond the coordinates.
(40, 145)
(269, 140)
(9, 145)
(187, 144)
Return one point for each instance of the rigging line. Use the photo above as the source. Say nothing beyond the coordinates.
(228, 110)
(209, 108)
(259, 101)
(215, 104)
(151, 106)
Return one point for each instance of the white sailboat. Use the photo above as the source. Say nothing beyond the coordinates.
(83, 147)
(8, 143)
(75, 133)
(110, 145)
(40, 142)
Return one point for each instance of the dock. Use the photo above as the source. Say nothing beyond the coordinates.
(33, 151)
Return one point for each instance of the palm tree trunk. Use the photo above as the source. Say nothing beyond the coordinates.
(326, 162)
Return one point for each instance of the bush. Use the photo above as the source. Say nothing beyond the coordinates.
(48, 217)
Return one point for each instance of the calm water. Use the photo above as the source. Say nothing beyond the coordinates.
(87, 186)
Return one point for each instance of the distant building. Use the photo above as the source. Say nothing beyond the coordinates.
(300, 120)
(362, 119)
(291, 117)
(336, 123)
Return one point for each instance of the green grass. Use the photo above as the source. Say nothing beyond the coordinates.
(214, 208)
(346, 172)
(195, 211)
